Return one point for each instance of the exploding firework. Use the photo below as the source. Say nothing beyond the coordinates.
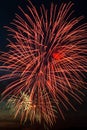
(46, 60)
(22, 105)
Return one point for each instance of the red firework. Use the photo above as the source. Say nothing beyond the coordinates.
(46, 57)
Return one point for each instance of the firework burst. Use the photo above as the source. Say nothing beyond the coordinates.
(23, 106)
(46, 59)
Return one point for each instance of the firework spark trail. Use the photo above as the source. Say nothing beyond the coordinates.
(47, 57)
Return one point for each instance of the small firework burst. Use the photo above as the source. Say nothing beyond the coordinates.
(24, 106)
(47, 56)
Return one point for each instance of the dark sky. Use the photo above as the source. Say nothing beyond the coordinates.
(8, 8)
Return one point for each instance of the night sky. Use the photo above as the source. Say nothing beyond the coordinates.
(8, 8)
